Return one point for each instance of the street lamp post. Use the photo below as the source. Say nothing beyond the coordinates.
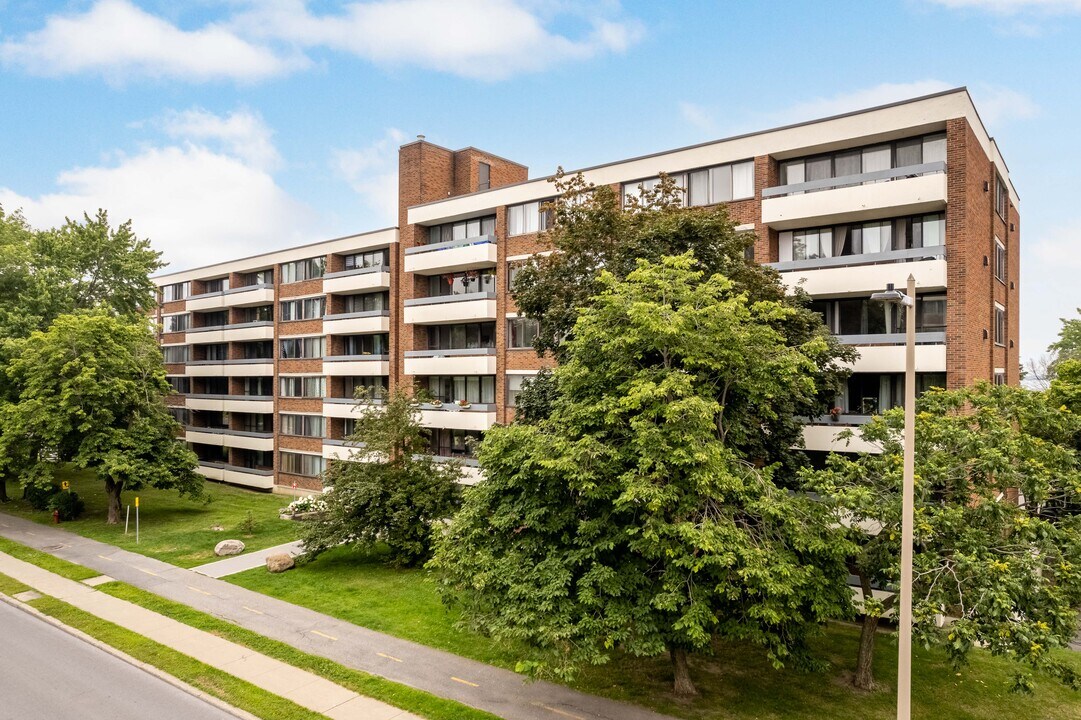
(904, 623)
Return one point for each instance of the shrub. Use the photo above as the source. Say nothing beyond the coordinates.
(67, 504)
(40, 496)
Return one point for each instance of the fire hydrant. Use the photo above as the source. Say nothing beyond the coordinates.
(56, 517)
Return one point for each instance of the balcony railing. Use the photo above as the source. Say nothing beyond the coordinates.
(356, 271)
(936, 252)
(212, 396)
(842, 419)
(452, 406)
(261, 472)
(232, 326)
(438, 299)
(362, 314)
(230, 291)
(434, 247)
(356, 358)
(241, 361)
(352, 401)
(449, 353)
(230, 431)
(936, 337)
(900, 173)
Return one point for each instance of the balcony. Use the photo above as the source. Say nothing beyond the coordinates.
(471, 472)
(369, 321)
(930, 337)
(227, 437)
(345, 407)
(825, 438)
(231, 403)
(356, 365)
(249, 295)
(474, 361)
(449, 416)
(345, 450)
(238, 332)
(866, 273)
(445, 257)
(891, 358)
(900, 191)
(449, 309)
(365, 279)
(230, 368)
(259, 479)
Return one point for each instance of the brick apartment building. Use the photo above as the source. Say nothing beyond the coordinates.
(265, 351)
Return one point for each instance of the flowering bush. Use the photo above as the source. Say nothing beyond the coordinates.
(309, 503)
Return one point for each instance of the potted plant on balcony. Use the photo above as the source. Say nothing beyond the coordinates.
(463, 404)
(835, 413)
(436, 403)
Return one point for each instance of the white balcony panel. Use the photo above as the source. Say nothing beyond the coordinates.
(471, 475)
(470, 419)
(211, 472)
(891, 359)
(355, 367)
(351, 281)
(259, 331)
(249, 296)
(469, 254)
(450, 365)
(214, 301)
(230, 403)
(449, 311)
(861, 202)
(866, 279)
(824, 438)
(248, 406)
(198, 336)
(337, 450)
(248, 478)
(227, 439)
(343, 408)
(355, 324)
(230, 369)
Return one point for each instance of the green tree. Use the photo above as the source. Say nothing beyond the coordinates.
(90, 390)
(628, 519)
(993, 552)
(393, 493)
(591, 230)
(1068, 345)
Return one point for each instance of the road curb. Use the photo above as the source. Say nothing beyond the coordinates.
(145, 667)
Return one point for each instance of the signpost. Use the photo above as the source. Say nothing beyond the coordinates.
(136, 520)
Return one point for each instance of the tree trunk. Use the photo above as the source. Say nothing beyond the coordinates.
(682, 684)
(4, 490)
(112, 491)
(865, 671)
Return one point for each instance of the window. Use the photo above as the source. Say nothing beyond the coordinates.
(1000, 377)
(1000, 325)
(349, 426)
(376, 344)
(176, 323)
(214, 319)
(261, 350)
(871, 393)
(308, 347)
(216, 285)
(462, 283)
(259, 277)
(303, 269)
(374, 387)
(375, 258)
(521, 332)
(180, 384)
(216, 386)
(176, 291)
(305, 387)
(461, 337)
(454, 443)
(258, 386)
(216, 352)
(367, 302)
(1002, 198)
(305, 425)
(512, 272)
(707, 186)
(471, 388)
(484, 176)
(930, 313)
(462, 230)
(1000, 260)
(181, 415)
(514, 386)
(863, 238)
(175, 354)
(306, 309)
(256, 422)
(298, 464)
(262, 313)
(528, 218)
(857, 161)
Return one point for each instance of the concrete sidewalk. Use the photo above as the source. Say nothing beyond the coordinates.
(303, 688)
(501, 692)
(247, 561)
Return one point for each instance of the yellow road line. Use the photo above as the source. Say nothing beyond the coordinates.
(557, 711)
(464, 682)
(388, 657)
(204, 592)
(146, 571)
(257, 612)
(106, 558)
(328, 637)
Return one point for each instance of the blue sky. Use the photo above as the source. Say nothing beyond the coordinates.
(228, 128)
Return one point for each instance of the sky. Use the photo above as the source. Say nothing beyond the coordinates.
(224, 129)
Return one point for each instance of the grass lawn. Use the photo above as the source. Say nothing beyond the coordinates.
(173, 529)
(736, 683)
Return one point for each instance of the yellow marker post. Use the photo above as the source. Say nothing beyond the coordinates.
(65, 485)
(136, 519)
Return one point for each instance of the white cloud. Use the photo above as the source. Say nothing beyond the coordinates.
(1009, 7)
(197, 204)
(242, 133)
(485, 39)
(372, 171)
(881, 94)
(1050, 265)
(119, 40)
(697, 116)
(998, 104)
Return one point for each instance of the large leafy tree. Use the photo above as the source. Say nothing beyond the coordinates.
(994, 552)
(90, 390)
(628, 518)
(392, 491)
(592, 230)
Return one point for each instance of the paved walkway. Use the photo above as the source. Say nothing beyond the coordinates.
(247, 561)
(302, 687)
(498, 691)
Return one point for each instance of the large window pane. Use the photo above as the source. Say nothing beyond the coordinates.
(720, 183)
(743, 180)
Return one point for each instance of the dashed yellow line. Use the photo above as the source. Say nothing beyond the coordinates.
(557, 711)
(257, 612)
(328, 637)
(106, 558)
(148, 572)
(388, 657)
(204, 592)
(464, 682)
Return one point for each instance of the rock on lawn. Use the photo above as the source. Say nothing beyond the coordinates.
(229, 547)
(280, 562)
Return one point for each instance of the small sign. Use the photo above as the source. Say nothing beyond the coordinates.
(136, 502)
(65, 485)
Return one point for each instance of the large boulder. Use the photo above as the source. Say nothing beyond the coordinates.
(279, 562)
(228, 547)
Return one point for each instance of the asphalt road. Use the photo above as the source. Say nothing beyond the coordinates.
(46, 673)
